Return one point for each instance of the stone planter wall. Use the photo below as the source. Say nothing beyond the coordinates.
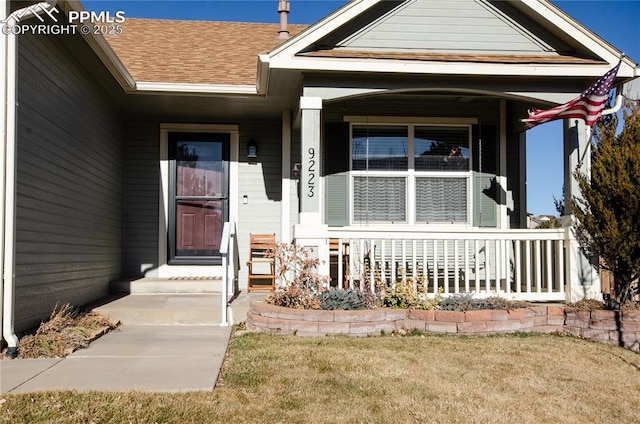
(263, 317)
(619, 328)
(612, 327)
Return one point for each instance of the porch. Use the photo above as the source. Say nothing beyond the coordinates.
(528, 265)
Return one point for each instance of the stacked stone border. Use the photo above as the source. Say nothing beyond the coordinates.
(612, 327)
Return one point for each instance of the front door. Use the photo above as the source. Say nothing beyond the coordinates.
(199, 196)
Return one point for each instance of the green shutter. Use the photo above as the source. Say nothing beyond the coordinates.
(485, 187)
(336, 174)
(484, 203)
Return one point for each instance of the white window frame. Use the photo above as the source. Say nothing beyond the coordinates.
(410, 174)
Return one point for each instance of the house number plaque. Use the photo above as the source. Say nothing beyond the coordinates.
(311, 172)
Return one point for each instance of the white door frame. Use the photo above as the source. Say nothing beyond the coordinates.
(165, 270)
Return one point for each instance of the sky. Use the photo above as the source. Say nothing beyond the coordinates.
(618, 22)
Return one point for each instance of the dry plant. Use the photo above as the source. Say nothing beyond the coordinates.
(66, 331)
(298, 283)
(588, 304)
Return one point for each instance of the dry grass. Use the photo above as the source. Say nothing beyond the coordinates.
(269, 379)
(66, 331)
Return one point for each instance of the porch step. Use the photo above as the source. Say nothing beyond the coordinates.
(162, 309)
(176, 285)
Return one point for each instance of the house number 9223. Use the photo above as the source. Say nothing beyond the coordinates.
(311, 178)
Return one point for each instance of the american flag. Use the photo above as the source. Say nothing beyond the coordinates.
(588, 106)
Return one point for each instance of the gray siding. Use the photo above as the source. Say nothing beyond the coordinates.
(446, 26)
(142, 176)
(70, 183)
(261, 183)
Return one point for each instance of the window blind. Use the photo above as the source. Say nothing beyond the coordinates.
(379, 199)
(441, 199)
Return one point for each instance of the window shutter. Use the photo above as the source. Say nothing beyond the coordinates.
(336, 173)
(485, 187)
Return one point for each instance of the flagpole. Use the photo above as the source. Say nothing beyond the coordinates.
(616, 107)
(589, 134)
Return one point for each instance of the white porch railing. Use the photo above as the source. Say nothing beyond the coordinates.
(230, 267)
(515, 264)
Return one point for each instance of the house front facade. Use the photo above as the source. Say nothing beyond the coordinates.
(387, 137)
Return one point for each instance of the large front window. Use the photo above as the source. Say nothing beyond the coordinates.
(410, 173)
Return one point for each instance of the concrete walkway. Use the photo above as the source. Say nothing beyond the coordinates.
(151, 358)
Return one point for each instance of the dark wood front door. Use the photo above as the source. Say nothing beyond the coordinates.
(199, 202)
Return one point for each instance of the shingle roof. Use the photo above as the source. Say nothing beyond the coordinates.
(454, 57)
(201, 52)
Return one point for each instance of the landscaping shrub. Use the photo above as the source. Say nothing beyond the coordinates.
(409, 293)
(349, 299)
(300, 286)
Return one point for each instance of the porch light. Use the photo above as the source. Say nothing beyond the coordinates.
(252, 149)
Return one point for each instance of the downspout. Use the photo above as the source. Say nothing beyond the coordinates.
(10, 167)
(4, 11)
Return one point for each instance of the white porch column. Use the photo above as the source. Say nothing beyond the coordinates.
(582, 277)
(285, 205)
(504, 196)
(310, 231)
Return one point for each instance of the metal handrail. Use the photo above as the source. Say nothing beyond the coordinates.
(225, 241)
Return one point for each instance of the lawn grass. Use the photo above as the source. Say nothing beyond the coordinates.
(447, 379)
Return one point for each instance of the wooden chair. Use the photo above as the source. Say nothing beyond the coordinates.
(334, 259)
(261, 264)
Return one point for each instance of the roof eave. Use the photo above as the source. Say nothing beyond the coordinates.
(150, 87)
(263, 73)
(444, 67)
(323, 27)
(574, 29)
(104, 51)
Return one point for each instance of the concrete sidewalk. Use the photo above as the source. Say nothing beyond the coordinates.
(151, 358)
